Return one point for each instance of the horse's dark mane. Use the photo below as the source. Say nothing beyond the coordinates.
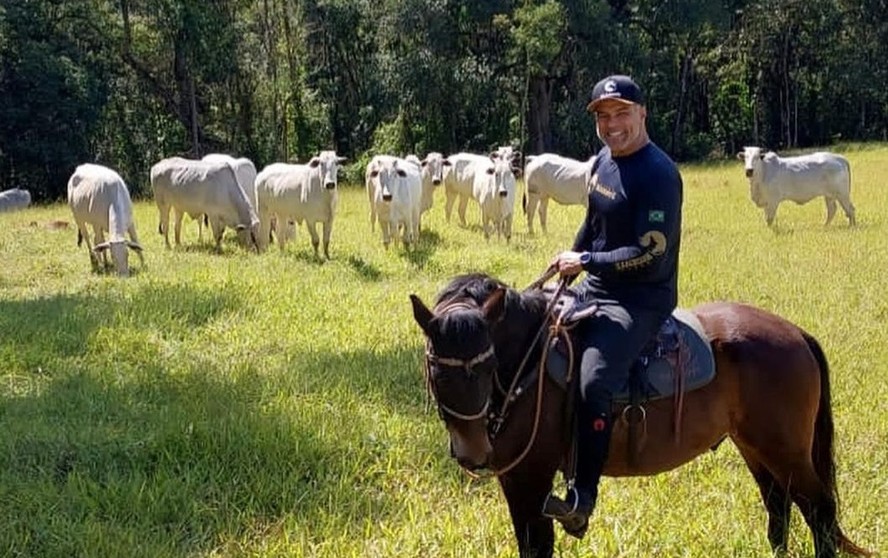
(478, 287)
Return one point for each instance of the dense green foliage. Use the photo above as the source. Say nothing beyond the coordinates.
(127, 82)
(272, 405)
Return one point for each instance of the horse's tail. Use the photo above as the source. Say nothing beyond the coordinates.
(822, 452)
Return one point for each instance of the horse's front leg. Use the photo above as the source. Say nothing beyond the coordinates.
(525, 496)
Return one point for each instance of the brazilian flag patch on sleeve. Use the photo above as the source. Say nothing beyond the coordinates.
(656, 216)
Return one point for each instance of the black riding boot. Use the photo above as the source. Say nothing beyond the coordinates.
(593, 441)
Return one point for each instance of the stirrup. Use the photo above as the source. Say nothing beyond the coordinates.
(574, 523)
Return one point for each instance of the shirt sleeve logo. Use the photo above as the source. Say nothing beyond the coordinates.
(656, 216)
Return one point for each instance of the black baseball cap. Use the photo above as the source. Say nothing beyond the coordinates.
(618, 87)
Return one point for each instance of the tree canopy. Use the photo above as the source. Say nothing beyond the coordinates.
(128, 82)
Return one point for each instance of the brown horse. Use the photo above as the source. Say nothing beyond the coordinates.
(771, 396)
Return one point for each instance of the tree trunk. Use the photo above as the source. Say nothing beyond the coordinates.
(539, 115)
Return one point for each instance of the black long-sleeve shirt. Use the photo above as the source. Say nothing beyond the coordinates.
(632, 230)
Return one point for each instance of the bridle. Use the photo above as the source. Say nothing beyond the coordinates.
(466, 364)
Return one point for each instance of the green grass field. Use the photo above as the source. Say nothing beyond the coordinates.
(238, 404)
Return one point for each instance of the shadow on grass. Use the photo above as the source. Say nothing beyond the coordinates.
(428, 244)
(172, 464)
(59, 327)
(365, 271)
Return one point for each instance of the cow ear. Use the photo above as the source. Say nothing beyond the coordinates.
(446, 162)
(493, 155)
(374, 173)
(516, 155)
(741, 155)
(314, 162)
(421, 313)
(341, 159)
(424, 162)
(491, 170)
(493, 307)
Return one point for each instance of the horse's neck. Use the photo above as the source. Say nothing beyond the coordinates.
(514, 336)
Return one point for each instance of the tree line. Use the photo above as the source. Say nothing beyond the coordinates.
(128, 82)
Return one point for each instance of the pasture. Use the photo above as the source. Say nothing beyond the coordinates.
(267, 405)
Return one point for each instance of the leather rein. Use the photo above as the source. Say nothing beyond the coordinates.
(520, 382)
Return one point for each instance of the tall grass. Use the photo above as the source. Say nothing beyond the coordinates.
(238, 404)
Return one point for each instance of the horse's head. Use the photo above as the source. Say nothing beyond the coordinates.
(461, 366)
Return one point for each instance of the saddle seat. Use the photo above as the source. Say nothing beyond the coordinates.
(678, 356)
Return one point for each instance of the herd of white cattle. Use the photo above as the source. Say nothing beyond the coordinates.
(227, 192)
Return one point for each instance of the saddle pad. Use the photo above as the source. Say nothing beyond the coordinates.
(658, 381)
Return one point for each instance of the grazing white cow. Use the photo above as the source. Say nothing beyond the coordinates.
(198, 188)
(552, 176)
(14, 199)
(244, 170)
(459, 180)
(297, 193)
(395, 190)
(773, 179)
(494, 188)
(99, 197)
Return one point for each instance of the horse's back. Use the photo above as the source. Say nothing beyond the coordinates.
(768, 359)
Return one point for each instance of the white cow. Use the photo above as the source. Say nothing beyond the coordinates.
(14, 199)
(297, 193)
(563, 179)
(244, 170)
(198, 188)
(459, 180)
(99, 197)
(773, 179)
(395, 188)
(494, 188)
(432, 174)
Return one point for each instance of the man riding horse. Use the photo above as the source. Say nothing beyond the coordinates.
(628, 246)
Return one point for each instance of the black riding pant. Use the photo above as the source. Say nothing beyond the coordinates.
(610, 342)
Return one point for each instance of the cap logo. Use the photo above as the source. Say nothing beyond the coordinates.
(610, 86)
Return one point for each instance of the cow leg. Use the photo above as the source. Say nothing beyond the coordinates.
(83, 234)
(264, 230)
(463, 203)
(283, 230)
(770, 213)
(533, 201)
(218, 229)
(328, 229)
(178, 215)
(100, 238)
(164, 226)
(448, 204)
(544, 214)
(848, 208)
(386, 233)
(830, 209)
(313, 232)
(507, 228)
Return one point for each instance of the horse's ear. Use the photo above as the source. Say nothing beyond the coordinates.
(421, 313)
(494, 305)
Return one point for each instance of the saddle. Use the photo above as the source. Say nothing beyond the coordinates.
(677, 359)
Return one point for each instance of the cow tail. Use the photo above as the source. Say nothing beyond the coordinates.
(524, 202)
